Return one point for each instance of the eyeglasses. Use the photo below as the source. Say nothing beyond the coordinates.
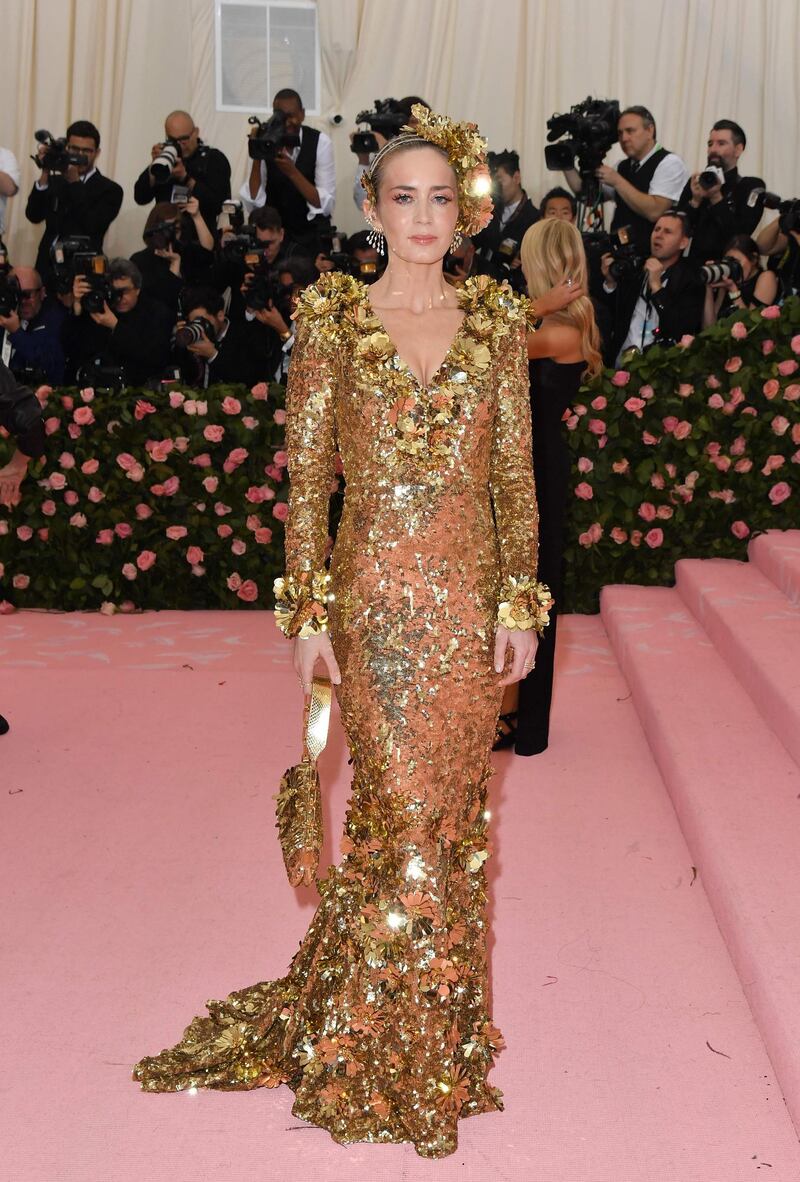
(27, 292)
(184, 139)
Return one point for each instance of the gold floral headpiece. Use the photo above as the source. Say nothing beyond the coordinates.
(465, 149)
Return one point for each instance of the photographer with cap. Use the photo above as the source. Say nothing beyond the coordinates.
(498, 246)
(78, 200)
(299, 181)
(183, 166)
(645, 184)
(657, 300)
(716, 199)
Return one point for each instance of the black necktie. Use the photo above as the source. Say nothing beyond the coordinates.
(634, 166)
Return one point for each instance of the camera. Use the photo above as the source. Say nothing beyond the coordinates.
(62, 255)
(231, 216)
(711, 176)
(161, 167)
(9, 294)
(727, 268)
(627, 260)
(788, 211)
(193, 331)
(162, 235)
(270, 136)
(590, 129)
(56, 159)
(388, 118)
(93, 267)
(99, 376)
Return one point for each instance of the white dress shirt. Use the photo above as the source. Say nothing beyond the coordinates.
(8, 164)
(668, 180)
(324, 180)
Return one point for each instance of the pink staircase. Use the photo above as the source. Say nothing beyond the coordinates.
(714, 668)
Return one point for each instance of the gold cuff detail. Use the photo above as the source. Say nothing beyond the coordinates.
(524, 604)
(301, 603)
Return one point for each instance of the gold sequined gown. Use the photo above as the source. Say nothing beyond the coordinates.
(382, 1025)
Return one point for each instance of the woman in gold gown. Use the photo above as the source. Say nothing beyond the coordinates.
(382, 1025)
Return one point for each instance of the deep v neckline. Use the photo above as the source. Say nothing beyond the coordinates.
(422, 385)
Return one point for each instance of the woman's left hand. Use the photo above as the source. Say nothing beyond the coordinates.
(523, 646)
(558, 297)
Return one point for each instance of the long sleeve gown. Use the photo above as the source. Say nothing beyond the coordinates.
(382, 1025)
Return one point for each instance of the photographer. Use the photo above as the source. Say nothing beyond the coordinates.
(385, 122)
(498, 245)
(209, 347)
(780, 240)
(298, 180)
(78, 200)
(558, 203)
(659, 300)
(128, 335)
(257, 249)
(644, 185)
(716, 199)
(738, 283)
(179, 251)
(30, 343)
(9, 182)
(184, 166)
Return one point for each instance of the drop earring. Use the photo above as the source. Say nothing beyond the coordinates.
(376, 240)
(458, 238)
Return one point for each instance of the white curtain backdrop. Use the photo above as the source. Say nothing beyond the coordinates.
(508, 66)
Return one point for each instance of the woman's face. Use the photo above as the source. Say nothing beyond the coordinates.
(417, 205)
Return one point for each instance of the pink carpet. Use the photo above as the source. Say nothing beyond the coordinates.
(142, 875)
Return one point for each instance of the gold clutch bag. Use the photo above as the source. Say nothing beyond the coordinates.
(299, 799)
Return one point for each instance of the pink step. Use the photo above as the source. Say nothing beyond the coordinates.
(777, 554)
(735, 789)
(756, 629)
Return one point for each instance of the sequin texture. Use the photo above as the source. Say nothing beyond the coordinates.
(382, 1025)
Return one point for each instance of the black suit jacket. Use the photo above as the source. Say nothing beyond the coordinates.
(713, 226)
(211, 173)
(140, 343)
(679, 303)
(73, 207)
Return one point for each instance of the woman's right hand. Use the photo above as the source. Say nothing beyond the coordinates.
(306, 654)
(558, 297)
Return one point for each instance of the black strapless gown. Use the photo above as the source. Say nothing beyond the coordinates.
(554, 387)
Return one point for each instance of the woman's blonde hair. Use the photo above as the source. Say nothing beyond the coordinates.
(552, 251)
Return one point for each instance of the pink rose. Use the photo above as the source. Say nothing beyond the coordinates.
(771, 313)
(202, 461)
(78, 520)
(669, 423)
(87, 394)
(176, 399)
(249, 422)
(253, 521)
(721, 463)
(596, 426)
(791, 393)
(49, 508)
(248, 591)
(238, 547)
(621, 378)
(280, 459)
(24, 533)
(685, 389)
(254, 495)
(157, 490)
(260, 391)
(83, 415)
(231, 406)
(74, 431)
(795, 343)
(279, 416)
(767, 347)
(221, 509)
(664, 512)
(123, 530)
(686, 340)
(737, 396)
(737, 448)
(572, 422)
(779, 492)
(96, 495)
(43, 534)
(740, 529)
(599, 403)
(126, 461)
(234, 581)
(142, 408)
(129, 571)
(263, 535)
(650, 439)
(66, 459)
(105, 537)
(583, 491)
(211, 483)
(235, 457)
(739, 330)
(280, 510)
(726, 495)
(646, 392)
(743, 465)
(621, 466)
(585, 464)
(21, 582)
(198, 570)
(772, 464)
(189, 406)
(714, 448)
(159, 450)
(635, 406)
(787, 367)
(136, 473)
(145, 559)
(67, 401)
(636, 537)
(176, 532)
(224, 531)
(89, 467)
(733, 364)
(796, 433)
(171, 486)
(683, 429)
(647, 511)
(51, 426)
(771, 388)
(70, 497)
(780, 425)
(584, 539)
(657, 480)
(143, 512)
(194, 555)
(213, 433)
(672, 471)
(713, 382)
(274, 472)
(653, 538)
(57, 481)
(716, 401)
(618, 535)
(201, 407)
